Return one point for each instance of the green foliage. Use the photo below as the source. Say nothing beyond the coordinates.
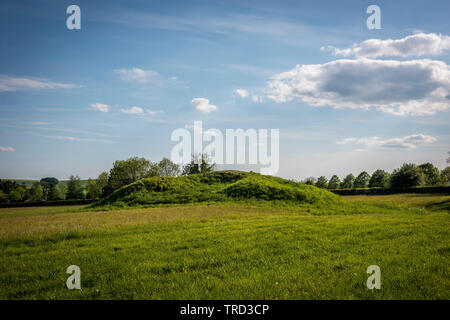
(36, 192)
(167, 168)
(102, 179)
(362, 180)
(445, 176)
(432, 174)
(322, 182)
(386, 191)
(200, 163)
(93, 189)
(15, 195)
(409, 175)
(127, 171)
(49, 180)
(7, 186)
(74, 188)
(309, 181)
(348, 181)
(62, 187)
(379, 179)
(53, 192)
(334, 183)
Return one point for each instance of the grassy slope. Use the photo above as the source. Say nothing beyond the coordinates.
(229, 251)
(217, 186)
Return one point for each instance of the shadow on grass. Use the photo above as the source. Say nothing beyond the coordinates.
(440, 206)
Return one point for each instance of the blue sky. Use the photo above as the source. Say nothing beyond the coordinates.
(347, 107)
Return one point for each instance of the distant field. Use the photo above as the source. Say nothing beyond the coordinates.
(230, 251)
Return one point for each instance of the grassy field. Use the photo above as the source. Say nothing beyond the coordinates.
(230, 251)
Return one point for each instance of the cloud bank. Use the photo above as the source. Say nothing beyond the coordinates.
(420, 44)
(408, 142)
(416, 87)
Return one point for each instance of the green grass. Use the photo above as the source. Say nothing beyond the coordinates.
(243, 250)
(219, 186)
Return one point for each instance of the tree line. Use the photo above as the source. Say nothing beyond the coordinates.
(122, 173)
(408, 175)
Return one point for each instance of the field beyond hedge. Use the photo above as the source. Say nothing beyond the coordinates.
(230, 251)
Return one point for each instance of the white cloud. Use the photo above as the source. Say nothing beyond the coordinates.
(100, 107)
(416, 87)
(241, 92)
(133, 110)
(137, 75)
(419, 44)
(70, 138)
(40, 123)
(408, 142)
(11, 149)
(203, 105)
(8, 83)
(151, 112)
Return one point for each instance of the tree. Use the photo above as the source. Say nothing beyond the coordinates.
(322, 182)
(199, 163)
(334, 183)
(95, 186)
(47, 183)
(408, 175)
(18, 194)
(74, 189)
(348, 181)
(53, 192)
(432, 174)
(49, 180)
(379, 179)
(93, 190)
(36, 192)
(310, 181)
(127, 171)
(362, 180)
(167, 168)
(2, 197)
(15, 196)
(102, 179)
(445, 176)
(62, 188)
(7, 186)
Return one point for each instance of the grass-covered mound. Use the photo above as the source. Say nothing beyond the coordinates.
(217, 186)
